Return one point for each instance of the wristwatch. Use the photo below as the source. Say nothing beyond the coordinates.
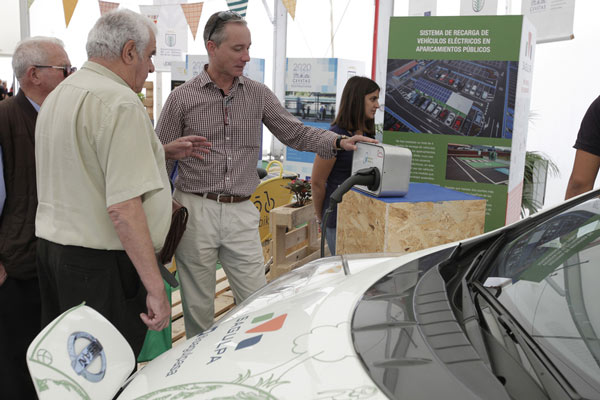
(338, 141)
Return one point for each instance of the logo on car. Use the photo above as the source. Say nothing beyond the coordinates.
(272, 325)
(82, 360)
(267, 324)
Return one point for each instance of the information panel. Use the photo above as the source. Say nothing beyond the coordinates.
(457, 95)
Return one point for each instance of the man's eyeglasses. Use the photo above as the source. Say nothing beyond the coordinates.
(223, 17)
(67, 69)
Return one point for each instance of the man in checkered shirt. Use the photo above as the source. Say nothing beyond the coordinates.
(229, 110)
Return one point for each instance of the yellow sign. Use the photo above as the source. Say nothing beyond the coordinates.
(269, 194)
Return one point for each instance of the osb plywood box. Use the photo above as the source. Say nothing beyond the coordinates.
(429, 215)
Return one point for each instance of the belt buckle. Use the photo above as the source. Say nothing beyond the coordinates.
(224, 195)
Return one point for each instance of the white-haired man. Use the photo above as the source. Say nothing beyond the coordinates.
(229, 110)
(40, 64)
(104, 196)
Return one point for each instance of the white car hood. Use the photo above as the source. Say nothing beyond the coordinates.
(300, 330)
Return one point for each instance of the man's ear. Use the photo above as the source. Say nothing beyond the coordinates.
(129, 53)
(210, 47)
(32, 75)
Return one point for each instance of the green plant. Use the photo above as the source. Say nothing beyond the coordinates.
(537, 165)
(301, 190)
(141, 96)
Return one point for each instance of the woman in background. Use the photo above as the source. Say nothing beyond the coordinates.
(356, 116)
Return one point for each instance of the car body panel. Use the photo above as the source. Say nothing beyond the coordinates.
(302, 332)
(79, 355)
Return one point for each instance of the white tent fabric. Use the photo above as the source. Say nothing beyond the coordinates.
(11, 33)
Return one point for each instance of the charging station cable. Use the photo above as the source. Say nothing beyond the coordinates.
(369, 177)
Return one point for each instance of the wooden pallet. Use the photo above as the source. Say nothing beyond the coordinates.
(223, 303)
(295, 234)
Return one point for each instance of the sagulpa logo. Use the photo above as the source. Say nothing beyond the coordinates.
(478, 5)
(529, 46)
(271, 325)
(268, 324)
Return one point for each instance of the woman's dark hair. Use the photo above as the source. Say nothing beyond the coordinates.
(351, 115)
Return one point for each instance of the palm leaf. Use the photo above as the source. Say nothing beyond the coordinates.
(529, 205)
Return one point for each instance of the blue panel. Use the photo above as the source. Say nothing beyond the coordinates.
(425, 192)
(332, 64)
(317, 124)
(299, 156)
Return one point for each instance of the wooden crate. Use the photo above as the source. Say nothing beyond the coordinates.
(429, 215)
(295, 238)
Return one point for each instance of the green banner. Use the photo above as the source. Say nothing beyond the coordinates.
(456, 38)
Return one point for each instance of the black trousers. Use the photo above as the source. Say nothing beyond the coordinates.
(105, 279)
(19, 324)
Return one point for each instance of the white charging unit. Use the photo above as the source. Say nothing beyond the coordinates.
(393, 163)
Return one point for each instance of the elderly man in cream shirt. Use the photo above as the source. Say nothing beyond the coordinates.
(104, 196)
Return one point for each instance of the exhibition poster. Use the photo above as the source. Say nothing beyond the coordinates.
(458, 94)
(311, 94)
(171, 40)
(553, 19)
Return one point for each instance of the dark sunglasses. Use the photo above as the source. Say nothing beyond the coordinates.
(223, 17)
(67, 69)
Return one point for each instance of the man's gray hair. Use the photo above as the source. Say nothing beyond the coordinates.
(110, 33)
(33, 51)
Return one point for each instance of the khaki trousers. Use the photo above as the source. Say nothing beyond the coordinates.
(224, 231)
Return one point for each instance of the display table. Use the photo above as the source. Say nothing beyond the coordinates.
(429, 215)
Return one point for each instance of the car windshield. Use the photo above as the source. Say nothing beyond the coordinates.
(549, 278)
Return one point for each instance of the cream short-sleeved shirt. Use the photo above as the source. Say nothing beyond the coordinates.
(95, 147)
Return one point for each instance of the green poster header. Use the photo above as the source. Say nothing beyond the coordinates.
(456, 38)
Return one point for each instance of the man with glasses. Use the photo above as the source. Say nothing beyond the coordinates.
(229, 110)
(19, 288)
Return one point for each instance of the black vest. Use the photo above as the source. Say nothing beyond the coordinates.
(17, 223)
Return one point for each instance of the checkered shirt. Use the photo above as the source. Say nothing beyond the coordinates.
(233, 125)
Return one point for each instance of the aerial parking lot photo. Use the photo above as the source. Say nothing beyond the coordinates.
(510, 314)
(479, 95)
(478, 163)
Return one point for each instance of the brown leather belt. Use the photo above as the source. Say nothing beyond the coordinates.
(223, 198)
